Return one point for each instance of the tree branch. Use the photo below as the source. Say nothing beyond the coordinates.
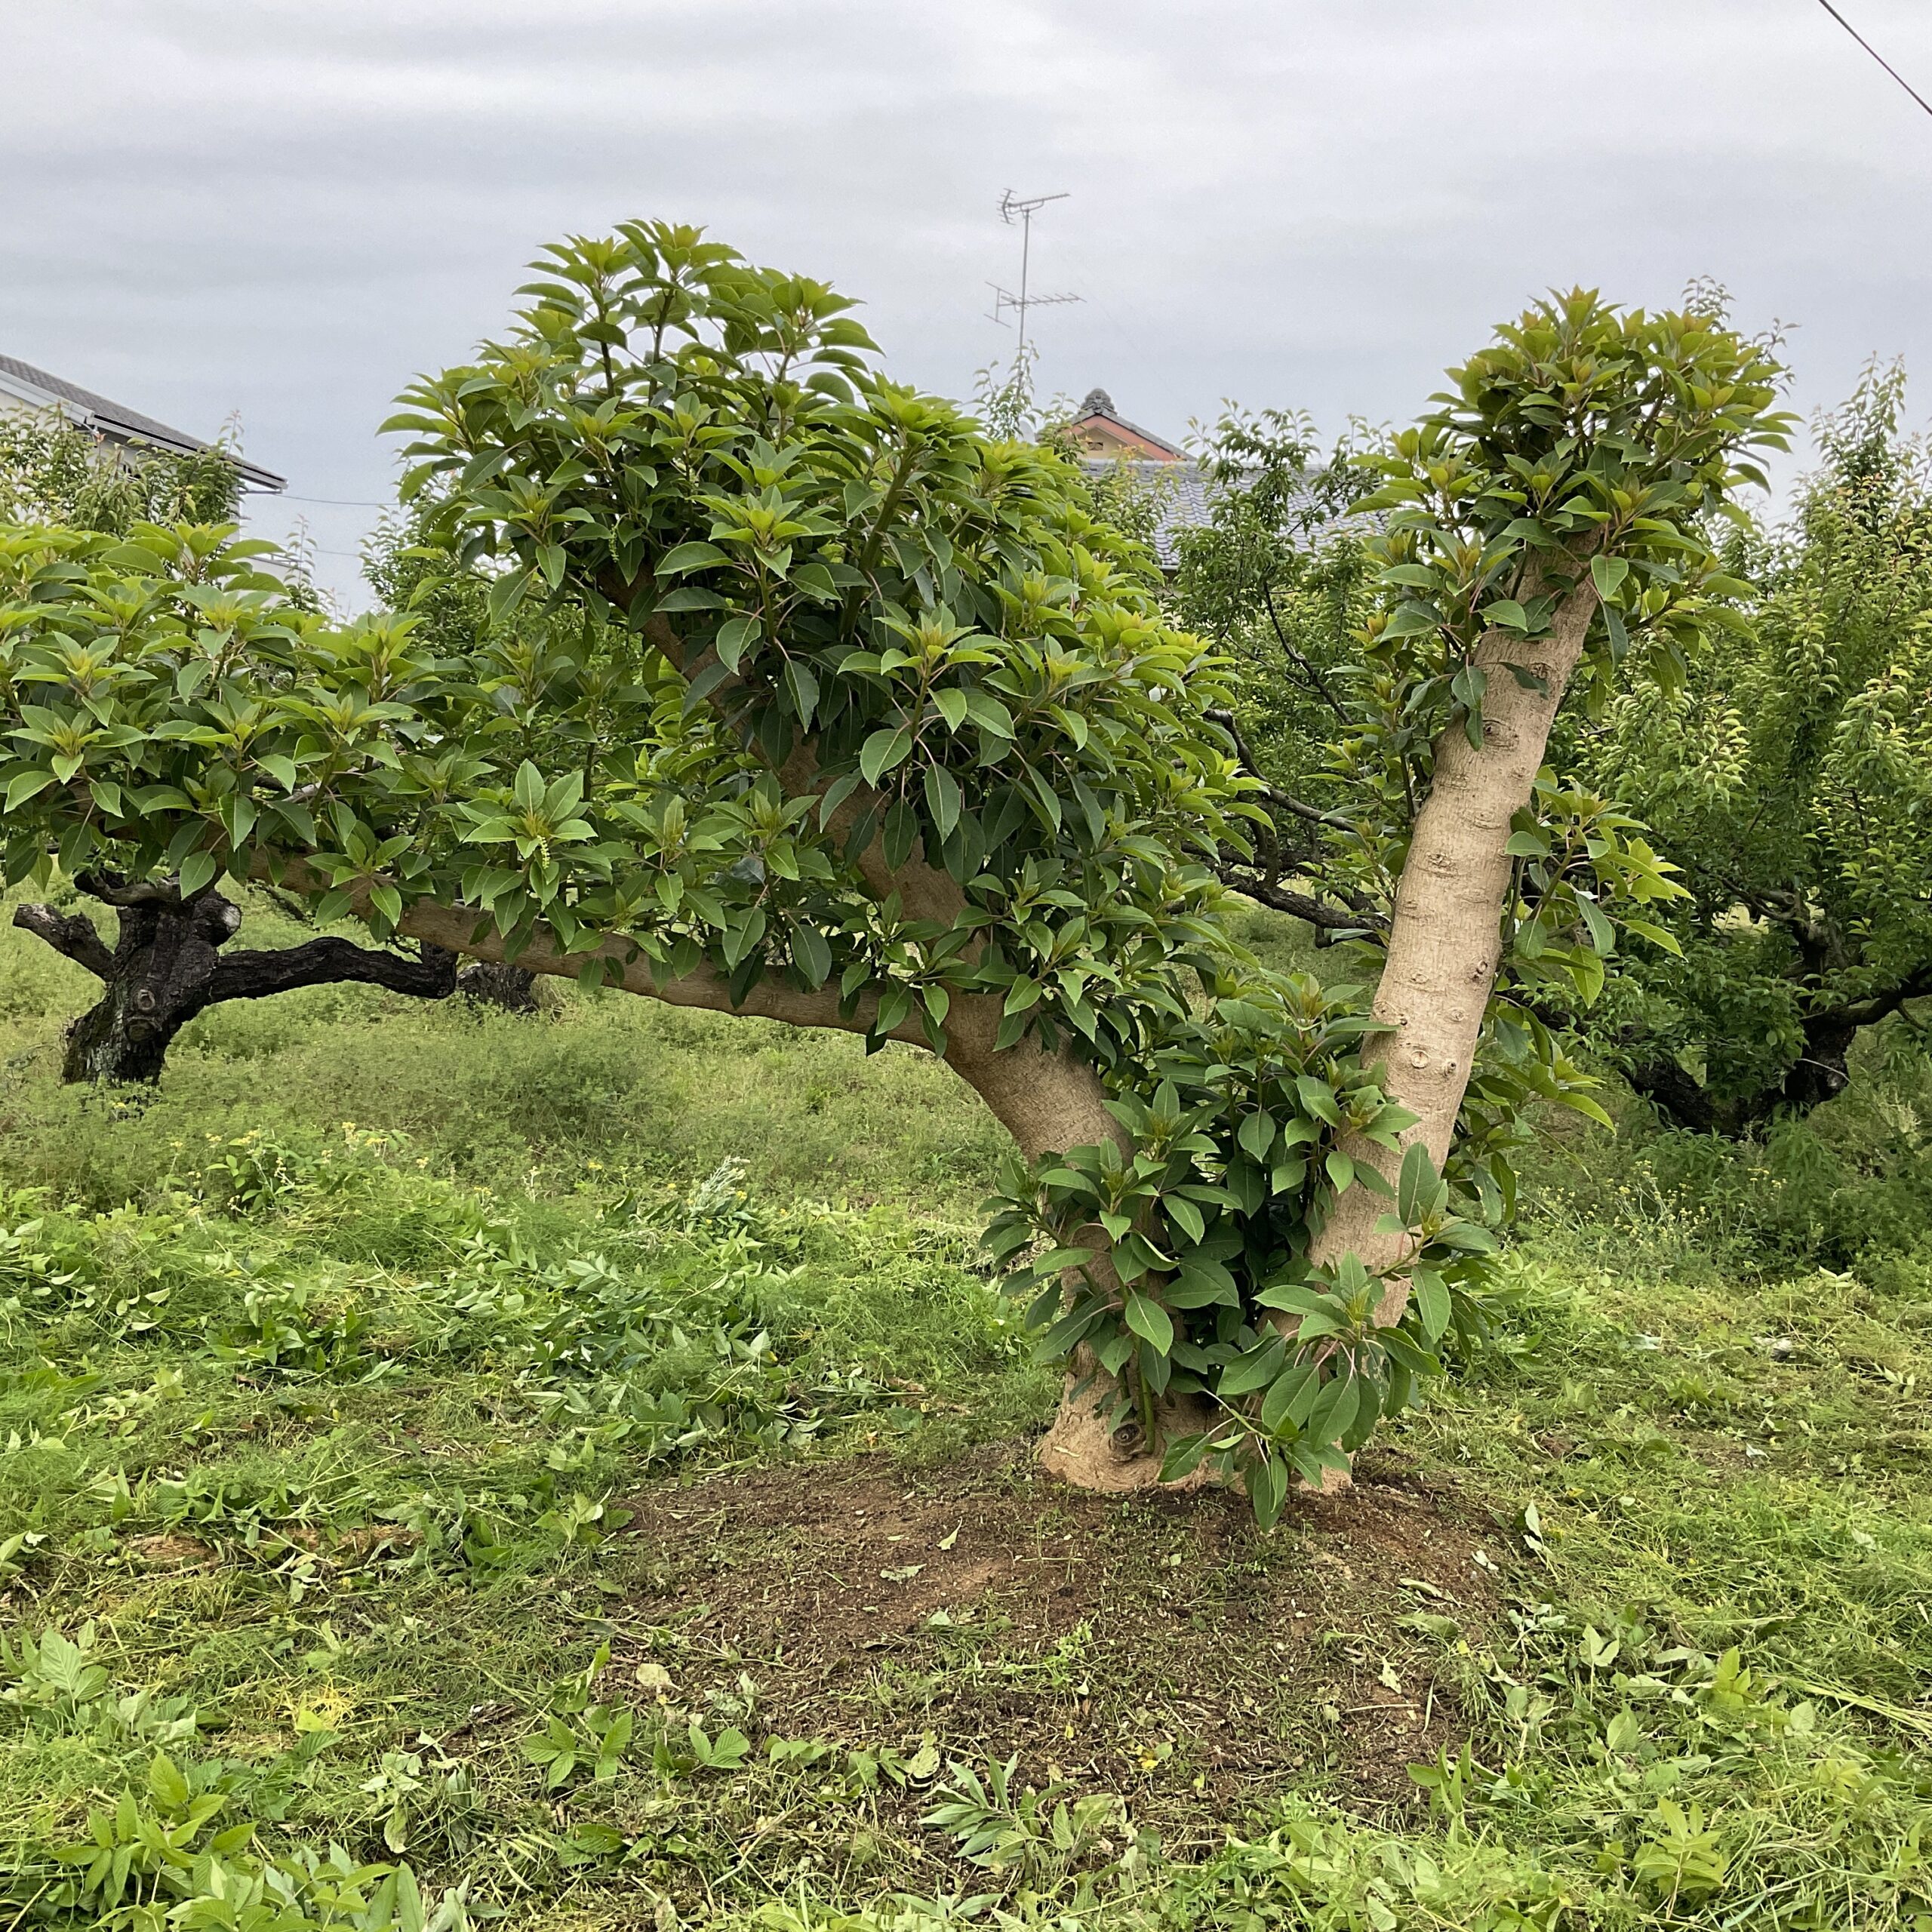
(1880, 1006)
(1284, 899)
(462, 931)
(1295, 658)
(331, 961)
(112, 890)
(70, 934)
(1313, 814)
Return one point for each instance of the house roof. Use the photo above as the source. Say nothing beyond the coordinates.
(1180, 489)
(1100, 418)
(114, 420)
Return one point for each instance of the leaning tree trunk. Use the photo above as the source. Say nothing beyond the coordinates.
(167, 966)
(1445, 939)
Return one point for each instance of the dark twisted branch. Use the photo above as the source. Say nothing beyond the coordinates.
(1304, 665)
(71, 934)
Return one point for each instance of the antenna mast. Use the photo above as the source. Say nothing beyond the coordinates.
(1025, 208)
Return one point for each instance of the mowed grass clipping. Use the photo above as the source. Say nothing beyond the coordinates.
(573, 1471)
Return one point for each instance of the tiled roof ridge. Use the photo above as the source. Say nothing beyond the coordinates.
(1098, 402)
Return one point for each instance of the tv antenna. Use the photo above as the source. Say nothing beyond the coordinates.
(1024, 208)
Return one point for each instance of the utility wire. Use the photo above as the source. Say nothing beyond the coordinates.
(1876, 55)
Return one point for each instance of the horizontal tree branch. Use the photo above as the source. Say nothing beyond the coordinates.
(464, 930)
(1881, 1005)
(1266, 891)
(112, 890)
(332, 961)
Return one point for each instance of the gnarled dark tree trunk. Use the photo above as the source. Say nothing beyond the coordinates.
(491, 982)
(1821, 1072)
(167, 965)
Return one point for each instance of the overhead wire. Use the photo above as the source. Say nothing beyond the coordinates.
(1876, 55)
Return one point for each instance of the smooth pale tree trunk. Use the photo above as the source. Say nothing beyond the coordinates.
(167, 966)
(1049, 1101)
(1445, 938)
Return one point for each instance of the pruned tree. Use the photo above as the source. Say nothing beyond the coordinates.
(167, 965)
(880, 729)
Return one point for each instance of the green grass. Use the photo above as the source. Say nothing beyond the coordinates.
(324, 1441)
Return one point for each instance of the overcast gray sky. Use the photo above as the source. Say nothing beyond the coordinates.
(285, 208)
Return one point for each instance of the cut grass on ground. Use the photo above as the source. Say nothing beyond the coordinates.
(603, 1531)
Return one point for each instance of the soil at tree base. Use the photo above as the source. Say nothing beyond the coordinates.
(1159, 1647)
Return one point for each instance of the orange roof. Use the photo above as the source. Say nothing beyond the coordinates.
(1098, 428)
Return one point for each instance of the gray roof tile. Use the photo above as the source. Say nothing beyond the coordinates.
(121, 424)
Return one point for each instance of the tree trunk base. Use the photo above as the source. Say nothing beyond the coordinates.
(1081, 1451)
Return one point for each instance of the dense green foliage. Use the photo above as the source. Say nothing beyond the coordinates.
(1782, 776)
(1790, 779)
(322, 1439)
(831, 695)
(53, 471)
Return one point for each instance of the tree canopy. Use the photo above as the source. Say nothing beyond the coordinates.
(854, 717)
(1789, 777)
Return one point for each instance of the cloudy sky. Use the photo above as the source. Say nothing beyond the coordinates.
(283, 210)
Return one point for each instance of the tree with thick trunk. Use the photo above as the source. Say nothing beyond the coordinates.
(870, 723)
(168, 964)
(1821, 1071)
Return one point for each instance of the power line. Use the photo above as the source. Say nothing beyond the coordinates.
(1876, 55)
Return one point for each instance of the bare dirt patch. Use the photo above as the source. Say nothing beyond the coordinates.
(1160, 1647)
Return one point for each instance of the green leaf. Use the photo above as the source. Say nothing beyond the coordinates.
(942, 799)
(198, 872)
(811, 953)
(1432, 1304)
(1416, 1183)
(1656, 935)
(1608, 574)
(1150, 1322)
(1277, 1406)
(735, 636)
(883, 751)
(1186, 1216)
(25, 786)
(1253, 1371)
(1317, 1097)
(688, 557)
(1267, 1491)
